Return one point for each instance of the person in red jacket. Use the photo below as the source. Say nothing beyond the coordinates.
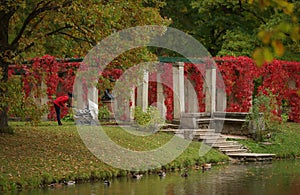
(61, 102)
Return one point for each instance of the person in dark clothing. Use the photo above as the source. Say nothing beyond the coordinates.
(107, 95)
(61, 102)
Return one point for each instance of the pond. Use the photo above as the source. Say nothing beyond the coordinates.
(278, 177)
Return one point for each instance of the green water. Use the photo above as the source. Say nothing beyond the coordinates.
(279, 177)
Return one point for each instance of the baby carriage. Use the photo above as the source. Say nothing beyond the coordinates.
(87, 116)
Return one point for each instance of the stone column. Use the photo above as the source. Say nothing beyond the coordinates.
(79, 90)
(160, 96)
(44, 99)
(221, 100)
(178, 88)
(190, 97)
(210, 91)
(93, 101)
(207, 89)
(213, 90)
(132, 104)
(142, 91)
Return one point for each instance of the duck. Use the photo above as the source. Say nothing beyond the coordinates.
(162, 174)
(206, 166)
(69, 183)
(185, 174)
(106, 182)
(55, 185)
(137, 176)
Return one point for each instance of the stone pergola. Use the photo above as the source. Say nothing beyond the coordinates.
(183, 90)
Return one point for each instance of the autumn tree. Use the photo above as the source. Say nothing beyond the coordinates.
(262, 29)
(64, 28)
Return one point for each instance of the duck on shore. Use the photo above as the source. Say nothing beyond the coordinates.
(206, 166)
(185, 174)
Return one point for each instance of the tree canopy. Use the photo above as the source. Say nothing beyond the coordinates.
(65, 28)
(262, 29)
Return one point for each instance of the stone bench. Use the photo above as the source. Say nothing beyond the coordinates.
(192, 120)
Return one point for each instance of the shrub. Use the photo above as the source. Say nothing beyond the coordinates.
(103, 112)
(264, 115)
(22, 106)
(151, 119)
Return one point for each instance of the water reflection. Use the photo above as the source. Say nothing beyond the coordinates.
(280, 177)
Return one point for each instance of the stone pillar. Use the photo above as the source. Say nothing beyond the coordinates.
(142, 91)
(160, 96)
(178, 88)
(93, 101)
(221, 100)
(190, 97)
(213, 90)
(80, 103)
(132, 104)
(210, 91)
(207, 89)
(44, 99)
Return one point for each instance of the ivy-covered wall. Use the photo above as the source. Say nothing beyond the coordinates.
(243, 80)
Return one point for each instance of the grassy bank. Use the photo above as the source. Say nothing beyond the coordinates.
(285, 143)
(36, 156)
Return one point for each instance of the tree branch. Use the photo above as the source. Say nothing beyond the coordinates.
(251, 12)
(58, 30)
(75, 38)
(36, 12)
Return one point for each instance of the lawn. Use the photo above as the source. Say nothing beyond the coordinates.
(285, 143)
(36, 156)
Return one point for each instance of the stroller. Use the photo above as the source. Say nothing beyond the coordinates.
(87, 116)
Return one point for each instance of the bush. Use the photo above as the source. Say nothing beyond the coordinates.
(68, 118)
(22, 106)
(151, 119)
(264, 116)
(103, 112)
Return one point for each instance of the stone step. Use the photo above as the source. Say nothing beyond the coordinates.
(188, 130)
(230, 119)
(229, 146)
(225, 143)
(233, 151)
(213, 140)
(207, 135)
(200, 130)
(245, 156)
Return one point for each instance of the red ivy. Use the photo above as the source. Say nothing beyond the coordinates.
(281, 78)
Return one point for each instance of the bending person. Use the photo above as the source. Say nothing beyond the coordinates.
(61, 102)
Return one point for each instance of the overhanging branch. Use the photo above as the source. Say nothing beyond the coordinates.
(35, 13)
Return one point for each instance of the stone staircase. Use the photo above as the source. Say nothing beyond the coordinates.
(213, 139)
(206, 128)
(219, 141)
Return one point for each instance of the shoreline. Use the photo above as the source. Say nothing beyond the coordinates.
(35, 157)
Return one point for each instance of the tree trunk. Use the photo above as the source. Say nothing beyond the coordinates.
(5, 49)
(4, 128)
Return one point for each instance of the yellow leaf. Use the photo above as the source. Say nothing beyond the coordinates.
(268, 56)
(284, 27)
(289, 8)
(265, 36)
(296, 33)
(258, 56)
(278, 47)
